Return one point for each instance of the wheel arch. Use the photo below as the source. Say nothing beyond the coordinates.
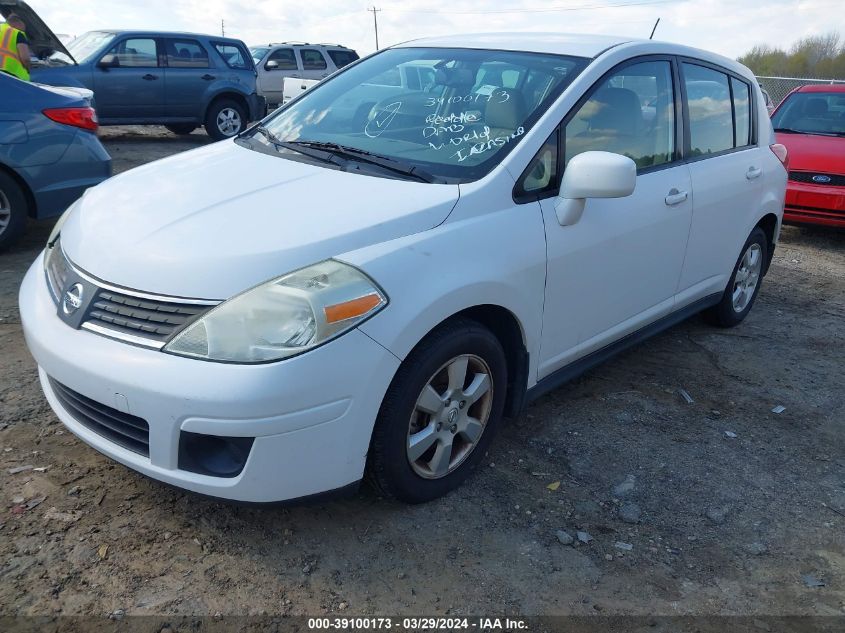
(769, 224)
(228, 94)
(32, 205)
(506, 327)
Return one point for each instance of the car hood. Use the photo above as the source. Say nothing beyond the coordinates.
(215, 221)
(813, 152)
(42, 40)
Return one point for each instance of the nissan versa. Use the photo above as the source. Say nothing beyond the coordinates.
(368, 281)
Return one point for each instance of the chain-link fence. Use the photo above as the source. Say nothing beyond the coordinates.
(779, 87)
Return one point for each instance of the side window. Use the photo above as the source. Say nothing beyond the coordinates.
(136, 53)
(342, 58)
(631, 113)
(185, 54)
(233, 56)
(541, 175)
(285, 58)
(742, 111)
(709, 103)
(312, 59)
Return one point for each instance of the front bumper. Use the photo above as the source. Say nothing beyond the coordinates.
(311, 415)
(257, 107)
(814, 204)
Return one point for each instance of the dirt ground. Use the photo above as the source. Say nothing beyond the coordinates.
(718, 506)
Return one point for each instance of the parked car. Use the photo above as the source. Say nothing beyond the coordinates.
(297, 60)
(180, 80)
(337, 292)
(810, 122)
(49, 152)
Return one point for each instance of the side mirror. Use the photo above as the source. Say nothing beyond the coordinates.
(593, 175)
(271, 65)
(109, 61)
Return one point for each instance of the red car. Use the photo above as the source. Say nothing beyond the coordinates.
(810, 122)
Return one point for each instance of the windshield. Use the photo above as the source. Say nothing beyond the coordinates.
(812, 113)
(258, 53)
(454, 113)
(83, 47)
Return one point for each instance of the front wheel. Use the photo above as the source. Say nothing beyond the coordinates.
(744, 284)
(225, 119)
(439, 414)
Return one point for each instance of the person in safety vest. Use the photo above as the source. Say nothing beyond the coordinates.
(14, 48)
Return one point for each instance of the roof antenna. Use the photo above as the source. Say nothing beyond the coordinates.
(654, 29)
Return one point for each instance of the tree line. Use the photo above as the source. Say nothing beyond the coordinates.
(816, 56)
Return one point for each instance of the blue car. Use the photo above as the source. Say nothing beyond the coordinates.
(49, 152)
(179, 80)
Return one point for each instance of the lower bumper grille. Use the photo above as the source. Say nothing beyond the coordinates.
(128, 431)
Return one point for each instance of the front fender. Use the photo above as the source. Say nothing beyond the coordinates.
(497, 258)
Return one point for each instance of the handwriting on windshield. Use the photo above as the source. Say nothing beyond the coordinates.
(382, 120)
(499, 96)
(476, 142)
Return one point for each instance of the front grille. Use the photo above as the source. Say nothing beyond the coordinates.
(128, 431)
(807, 176)
(152, 319)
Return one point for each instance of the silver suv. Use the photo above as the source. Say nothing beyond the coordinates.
(298, 60)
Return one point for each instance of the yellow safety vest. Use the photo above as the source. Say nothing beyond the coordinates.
(9, 60)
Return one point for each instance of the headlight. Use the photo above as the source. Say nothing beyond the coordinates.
(283, 317)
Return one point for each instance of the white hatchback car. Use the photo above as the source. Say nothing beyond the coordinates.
(370, 280)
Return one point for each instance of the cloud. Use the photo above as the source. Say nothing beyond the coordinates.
(723, 26)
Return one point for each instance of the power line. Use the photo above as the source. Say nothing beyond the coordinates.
(540, 10)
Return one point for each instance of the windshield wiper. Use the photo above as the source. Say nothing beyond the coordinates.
(364, 156)
(326, 157)
(789, 130)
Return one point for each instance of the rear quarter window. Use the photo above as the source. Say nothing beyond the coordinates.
(235, 56)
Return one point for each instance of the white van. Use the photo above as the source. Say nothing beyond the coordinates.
(296, 60)
(373, 289)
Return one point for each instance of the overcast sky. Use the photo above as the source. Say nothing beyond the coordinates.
(729, 27)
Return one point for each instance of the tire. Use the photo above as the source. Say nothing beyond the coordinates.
(181, 129)
(422, 396)
(742, 289)
(219, 113)
(13, 211)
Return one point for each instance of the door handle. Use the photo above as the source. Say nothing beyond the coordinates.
(294, 76)
(675, 197)
(150, 77)
(753, 172)
(208, 77)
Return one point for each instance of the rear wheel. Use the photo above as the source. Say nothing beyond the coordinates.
(182, 129)
(13, 211)
(744, 285)
(225, 118)
(439, 414)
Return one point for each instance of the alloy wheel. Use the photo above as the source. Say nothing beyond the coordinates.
(747, 277)
(449, 416)
(229, 121)
(5, 212)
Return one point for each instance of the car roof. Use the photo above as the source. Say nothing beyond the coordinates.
(822, 88)
(576, 44)
(167, 34)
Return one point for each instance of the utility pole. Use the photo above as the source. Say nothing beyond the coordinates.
(375, 22)
(223, 28)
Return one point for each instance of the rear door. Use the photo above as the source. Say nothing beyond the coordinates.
(187, 76)
(134, 87)
(314, 65)
(726, 166)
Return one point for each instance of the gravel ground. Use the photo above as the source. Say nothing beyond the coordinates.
(718, 506)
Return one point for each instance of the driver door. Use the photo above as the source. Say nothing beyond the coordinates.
(617, 268)
(133, 88)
